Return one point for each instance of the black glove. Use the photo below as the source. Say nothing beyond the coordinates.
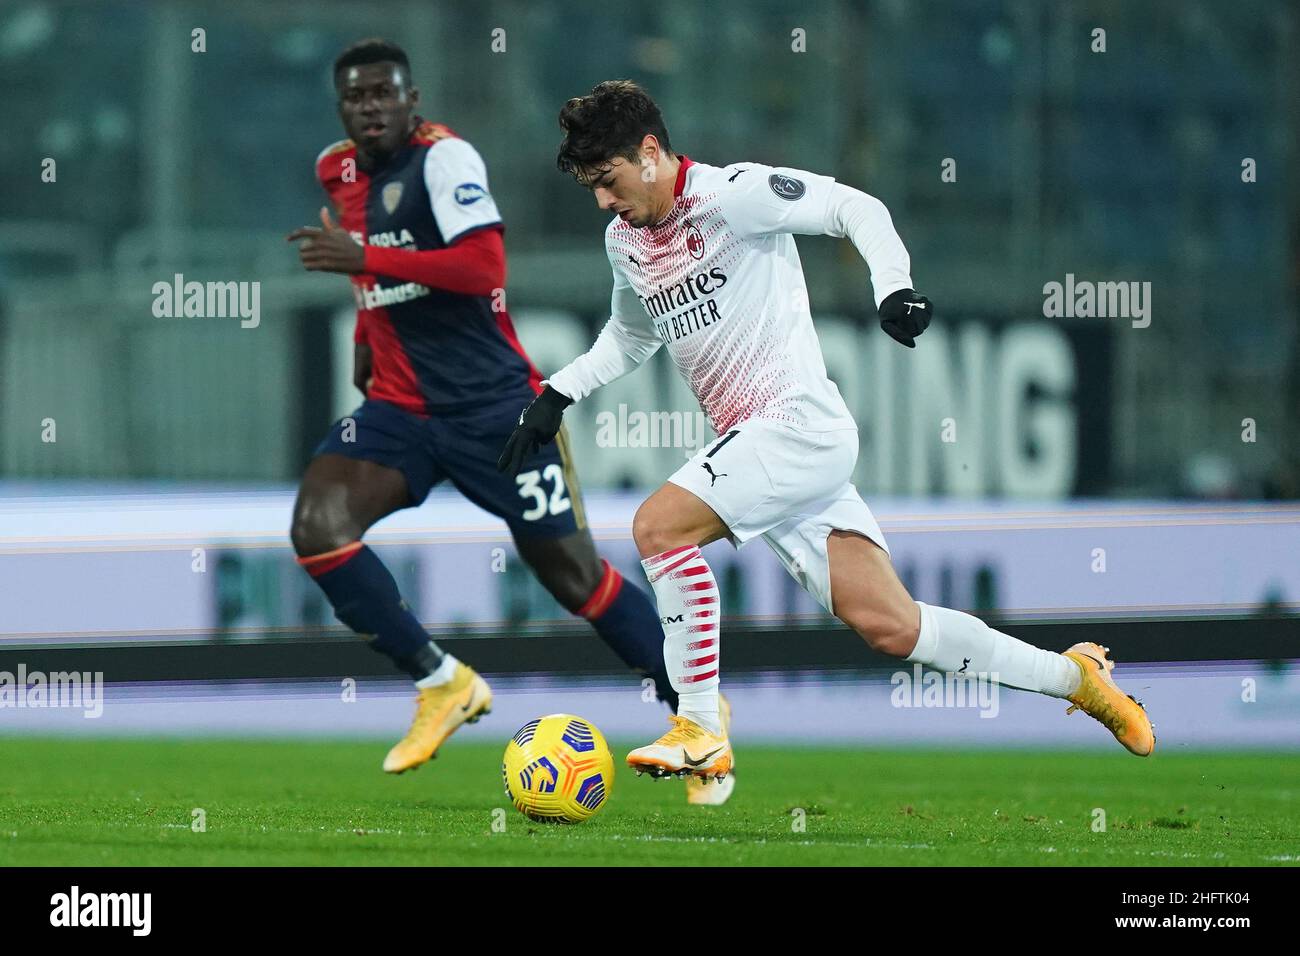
(904, 315)
(538, 425)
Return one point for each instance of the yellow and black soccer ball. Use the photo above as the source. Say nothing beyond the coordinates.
(558, 769)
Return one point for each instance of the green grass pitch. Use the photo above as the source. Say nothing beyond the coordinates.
(130, 802)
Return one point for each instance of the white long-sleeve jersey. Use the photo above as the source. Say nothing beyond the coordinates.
(720, 283)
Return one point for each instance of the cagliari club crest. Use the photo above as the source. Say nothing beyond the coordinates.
(391, 196)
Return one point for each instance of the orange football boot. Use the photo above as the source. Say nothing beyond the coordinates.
(1099, 697)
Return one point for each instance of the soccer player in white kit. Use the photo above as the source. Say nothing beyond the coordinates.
(705, 263)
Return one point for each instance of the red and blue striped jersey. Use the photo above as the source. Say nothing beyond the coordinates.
(434, 351)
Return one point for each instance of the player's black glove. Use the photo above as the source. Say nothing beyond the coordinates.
(538, 425)
(904, 315)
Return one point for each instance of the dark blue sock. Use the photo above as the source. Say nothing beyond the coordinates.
(626, 619)
(365, 598)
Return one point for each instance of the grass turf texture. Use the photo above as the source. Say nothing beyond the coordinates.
(129, 802)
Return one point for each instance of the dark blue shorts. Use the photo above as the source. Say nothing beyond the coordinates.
(543, 500)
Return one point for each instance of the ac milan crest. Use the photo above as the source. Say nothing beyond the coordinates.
(694, 243)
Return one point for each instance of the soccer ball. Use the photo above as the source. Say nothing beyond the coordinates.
(558, 769)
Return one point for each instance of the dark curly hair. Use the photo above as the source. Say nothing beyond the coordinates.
(374, 50)
(608, 122)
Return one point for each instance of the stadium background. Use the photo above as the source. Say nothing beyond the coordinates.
(149, 538)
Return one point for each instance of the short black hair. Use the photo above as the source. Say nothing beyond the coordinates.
(373, 50)
(609, 121)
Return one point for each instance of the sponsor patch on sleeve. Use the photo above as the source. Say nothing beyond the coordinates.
(469, 193)
(787, 187)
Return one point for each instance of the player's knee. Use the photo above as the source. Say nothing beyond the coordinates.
(317, 529)
(652, 531)
(644, 532)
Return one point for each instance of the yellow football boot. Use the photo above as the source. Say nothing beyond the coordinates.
(699, 791)
(1099, 697)
(438, 712)
(686, 749)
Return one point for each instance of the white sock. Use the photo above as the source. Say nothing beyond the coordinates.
(687, 596)
(956, 642)
(445, 672)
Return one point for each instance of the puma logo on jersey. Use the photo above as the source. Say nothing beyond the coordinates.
(712, 477)
(732, 177)
(913, 305)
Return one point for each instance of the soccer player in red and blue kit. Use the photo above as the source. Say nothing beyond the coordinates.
(444, 377)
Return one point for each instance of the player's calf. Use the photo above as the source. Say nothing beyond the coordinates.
(621, 613)
(568, 566)
(869, 597)
(339, 499)
(888, 629)
(365, 598)
(690, 614)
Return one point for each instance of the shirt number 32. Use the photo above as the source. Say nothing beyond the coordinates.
(530, 486)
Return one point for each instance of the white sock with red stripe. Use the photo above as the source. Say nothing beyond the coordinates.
(687, 596)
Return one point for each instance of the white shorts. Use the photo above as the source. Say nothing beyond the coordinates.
(792, 487)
